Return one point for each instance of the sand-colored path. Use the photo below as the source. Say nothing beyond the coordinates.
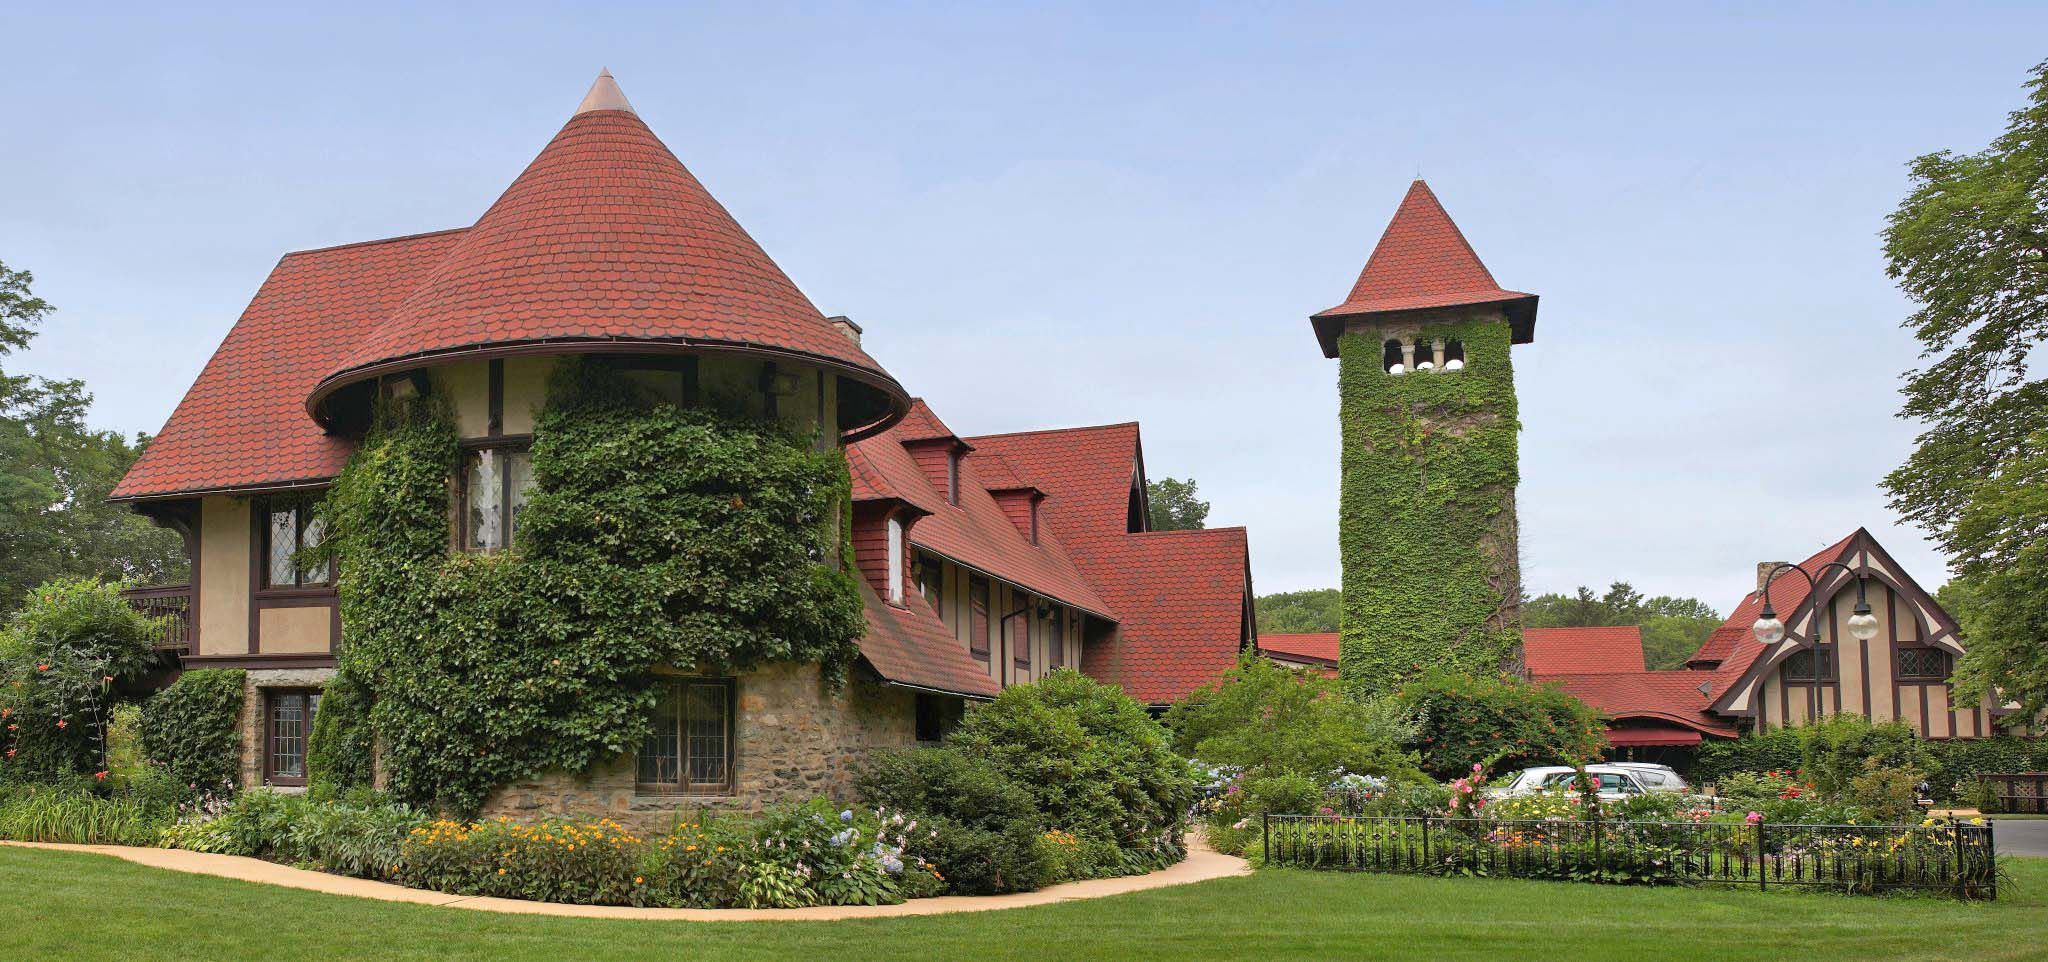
(1201, 865)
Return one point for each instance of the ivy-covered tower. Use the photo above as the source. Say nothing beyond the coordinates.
(1427, 412)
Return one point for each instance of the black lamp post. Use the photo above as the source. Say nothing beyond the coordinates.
(1768, 629)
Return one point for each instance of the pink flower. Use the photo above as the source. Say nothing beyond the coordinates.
(1477, 768)
(1755, 817)
(61, 723)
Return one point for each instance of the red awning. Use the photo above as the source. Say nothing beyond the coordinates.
(1645, 737)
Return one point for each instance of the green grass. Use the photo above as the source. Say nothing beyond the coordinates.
(65, 905)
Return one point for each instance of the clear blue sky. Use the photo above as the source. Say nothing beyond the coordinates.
(1085, 214)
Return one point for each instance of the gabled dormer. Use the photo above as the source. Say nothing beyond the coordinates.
(935, 448)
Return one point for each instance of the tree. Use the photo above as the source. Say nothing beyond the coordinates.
(1969, 245)
(1174, 505)
(55, 475)
(1318, 609)
(1673, 628)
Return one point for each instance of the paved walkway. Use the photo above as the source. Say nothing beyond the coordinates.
(2020, 836)
(1201, 865)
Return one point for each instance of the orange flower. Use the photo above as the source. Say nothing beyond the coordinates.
(42, 667)
(61, 723)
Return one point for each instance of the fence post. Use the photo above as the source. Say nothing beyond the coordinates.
(1990, 859)
(1955, 831)
(1425, 842)
(1599, 864)
(1762, 880)
(1266, 838)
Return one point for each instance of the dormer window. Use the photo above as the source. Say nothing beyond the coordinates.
(895, 561)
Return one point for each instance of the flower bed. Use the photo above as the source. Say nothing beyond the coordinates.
(1939, 855)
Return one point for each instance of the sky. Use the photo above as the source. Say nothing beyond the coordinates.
(1049, 214)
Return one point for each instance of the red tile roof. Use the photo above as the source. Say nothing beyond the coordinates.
(1423, 261)
(1555, 651)
(911, 646)
(242, 424)
(976, 532)
(1736, 644)
(1181, 598)
(606, 237)
(1315, 646)
(1673, 697)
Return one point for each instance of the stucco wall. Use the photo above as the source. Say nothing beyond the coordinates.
(1865, 677)
(223, 576)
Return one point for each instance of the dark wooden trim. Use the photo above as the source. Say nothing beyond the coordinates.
(1784, 700)
(1863, 653)
(1891, 634)
(259, 519)
(496, 394)
(294, 660)
(1926, 723)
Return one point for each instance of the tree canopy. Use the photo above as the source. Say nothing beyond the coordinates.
(1174, 505)
(1317, 609)
(1673, 628)
(1969, 245)
(55, 474)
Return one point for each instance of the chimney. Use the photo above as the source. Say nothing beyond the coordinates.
(846, 326)
(1763, 570)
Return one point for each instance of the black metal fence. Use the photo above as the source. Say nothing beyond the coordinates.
(1948, 858)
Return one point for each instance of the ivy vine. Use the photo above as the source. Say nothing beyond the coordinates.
(653, 535)
(1426, 529)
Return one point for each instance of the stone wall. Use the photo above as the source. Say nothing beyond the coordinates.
(796, 739)
(252, 711)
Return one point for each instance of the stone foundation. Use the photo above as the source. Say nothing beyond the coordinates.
(796, 739)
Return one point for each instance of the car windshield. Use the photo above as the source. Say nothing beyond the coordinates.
(1610, 782)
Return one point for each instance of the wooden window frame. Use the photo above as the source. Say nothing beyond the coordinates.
(260, 511)
(1056, 640)
(1832, 676)
(682, 786)
(1899, 672)
(897, 545)
(980, 619)
(508, 444)
(311, 707)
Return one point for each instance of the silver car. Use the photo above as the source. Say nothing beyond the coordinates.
(1656, 778)
(1615, 782)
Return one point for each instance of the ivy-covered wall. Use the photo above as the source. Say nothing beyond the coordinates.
(654, 535)
(1427, 508)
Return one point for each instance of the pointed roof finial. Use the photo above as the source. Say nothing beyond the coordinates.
(604, 95)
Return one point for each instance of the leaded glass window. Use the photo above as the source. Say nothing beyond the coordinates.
(495, 484)
(290, 531)
(690, 748)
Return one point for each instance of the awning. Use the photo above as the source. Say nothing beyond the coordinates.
(1647, 737)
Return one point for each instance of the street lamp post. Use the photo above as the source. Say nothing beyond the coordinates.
(1768, 629)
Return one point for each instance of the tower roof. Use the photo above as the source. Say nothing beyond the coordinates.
(1423, 261)
(607, 243)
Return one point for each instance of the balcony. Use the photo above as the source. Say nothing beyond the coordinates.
(172, 600)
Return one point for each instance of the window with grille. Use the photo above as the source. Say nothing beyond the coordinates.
(690, 750)
(1811, 665)
(495, 482)
(288, 719)
(289, 530)
(1923, 664)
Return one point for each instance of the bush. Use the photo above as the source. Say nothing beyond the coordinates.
(192, 730)
(976, 824)
(1094, 762)
(341, 750)
(1499, 722)
(1957, 764)
(61, 656)
(1840, 748)
(1264, 719)
(1780, 749)
(1885, 793)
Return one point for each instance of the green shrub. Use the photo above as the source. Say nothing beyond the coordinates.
(1263, 719)
(1286, 793)
(1840, 748)
(1500, 722)
(341, 750)
(192, 730)
(75, 815)
(1094, 762)
(976, 824)
(1885, 793)
(1777, 750)
(61, 656)
(1958, 763)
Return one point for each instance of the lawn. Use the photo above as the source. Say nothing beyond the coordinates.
(64, 905)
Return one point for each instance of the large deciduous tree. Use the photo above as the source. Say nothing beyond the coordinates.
(55, 474)
(1969, 245)
(1673, 628)
(1174, 505)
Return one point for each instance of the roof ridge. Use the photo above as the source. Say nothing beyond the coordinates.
(380, 240)
(1082, 427)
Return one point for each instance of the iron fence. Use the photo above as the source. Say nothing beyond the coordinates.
(1943, 857)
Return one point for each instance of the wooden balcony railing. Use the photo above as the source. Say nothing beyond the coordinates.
(172, 600)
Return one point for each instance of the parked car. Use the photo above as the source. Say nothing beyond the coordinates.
(1656, 778)
(1615, 782)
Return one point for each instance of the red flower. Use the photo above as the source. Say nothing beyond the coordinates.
(102, 776)
(42, 667)
(10, 753)
(61, 723)
(107, 678)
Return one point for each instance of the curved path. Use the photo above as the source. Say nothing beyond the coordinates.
(1201, 865)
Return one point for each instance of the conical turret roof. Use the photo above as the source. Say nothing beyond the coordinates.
(1423, 261)
(606, 242)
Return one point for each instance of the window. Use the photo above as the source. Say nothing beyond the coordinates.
(895, 561)
(289, 528)
(937, 716)
(1017, 635)
(690, 751)
(1056, 640)
(930, 585)
(288, 718)
(1923, 664)
(495, 482)
(977, 620)
(1811, 665)
(1391, 358)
